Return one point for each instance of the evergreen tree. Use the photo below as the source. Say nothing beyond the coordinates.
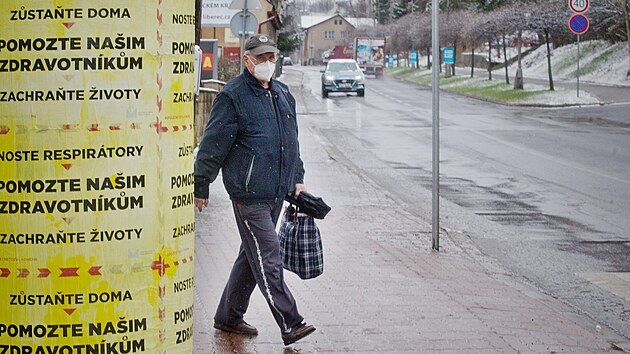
(382, 11)
(489, 5)
(400, 9)
(288, 42)
(458, 5)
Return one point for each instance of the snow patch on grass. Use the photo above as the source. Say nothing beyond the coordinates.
(600, 63)
(559, 97)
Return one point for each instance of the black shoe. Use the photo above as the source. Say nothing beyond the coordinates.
(298, 332)
(241, 328)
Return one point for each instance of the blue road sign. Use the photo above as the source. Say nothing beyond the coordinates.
(413, 57)
(578, 24)
(449, 55)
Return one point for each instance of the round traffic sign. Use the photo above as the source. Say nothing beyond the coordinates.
(245, 22)
(578, 6)
(578, 24)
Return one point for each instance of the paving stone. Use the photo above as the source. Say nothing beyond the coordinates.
(383, 290)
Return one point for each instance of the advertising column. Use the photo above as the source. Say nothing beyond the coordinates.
(96, 184)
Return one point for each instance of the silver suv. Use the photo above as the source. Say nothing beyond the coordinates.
(343, 75)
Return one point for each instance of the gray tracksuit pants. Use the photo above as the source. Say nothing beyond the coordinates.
(258, 262)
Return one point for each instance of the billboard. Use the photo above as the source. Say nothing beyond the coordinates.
(96, 176)
(370, 51)
(216, 13)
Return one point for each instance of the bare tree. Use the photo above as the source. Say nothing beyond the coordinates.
(492, 21)
(615, 18)
(473, 36)
(451, 31)
(608, 20)
(488, 30)
(421, 34)
(550, 20)
(403, 39)
(506, 20)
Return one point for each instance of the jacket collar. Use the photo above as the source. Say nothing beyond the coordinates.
(255, 84)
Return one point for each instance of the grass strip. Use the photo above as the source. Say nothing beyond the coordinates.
(476, 87)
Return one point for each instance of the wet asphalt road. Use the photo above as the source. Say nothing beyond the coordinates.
(544, 194)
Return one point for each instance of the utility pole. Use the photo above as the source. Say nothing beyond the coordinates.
(626, 11)
(435, 205)
(197, 21)
(243, 35)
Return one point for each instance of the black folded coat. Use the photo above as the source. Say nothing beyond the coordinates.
(309, 205)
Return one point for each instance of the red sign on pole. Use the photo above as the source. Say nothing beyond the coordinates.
(578, 24)
(578, 6)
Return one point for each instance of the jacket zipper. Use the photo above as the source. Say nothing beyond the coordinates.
(273, 104)
(249, 173)
(279, 122)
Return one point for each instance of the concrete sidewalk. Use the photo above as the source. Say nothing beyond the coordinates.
(383, 289)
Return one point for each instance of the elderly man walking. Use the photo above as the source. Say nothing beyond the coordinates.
(252, 137)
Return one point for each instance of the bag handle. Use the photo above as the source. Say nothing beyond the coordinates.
(292, 211)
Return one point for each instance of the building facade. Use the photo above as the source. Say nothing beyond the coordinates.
(323, 34)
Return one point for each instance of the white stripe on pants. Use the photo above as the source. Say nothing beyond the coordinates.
(259, 263)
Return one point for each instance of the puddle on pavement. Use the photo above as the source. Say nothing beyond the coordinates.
(513, 210)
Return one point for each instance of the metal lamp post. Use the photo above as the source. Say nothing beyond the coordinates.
(435, 206)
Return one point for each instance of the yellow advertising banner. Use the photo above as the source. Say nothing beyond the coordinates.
(96, 185)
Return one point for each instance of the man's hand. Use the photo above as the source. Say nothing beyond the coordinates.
(299, 187)
(201, 203)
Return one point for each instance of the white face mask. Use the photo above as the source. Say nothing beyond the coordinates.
(264, 71)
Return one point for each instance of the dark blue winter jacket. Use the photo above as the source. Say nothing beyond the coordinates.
(252, 136)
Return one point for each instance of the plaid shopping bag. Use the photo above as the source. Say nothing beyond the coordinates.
(301, 244)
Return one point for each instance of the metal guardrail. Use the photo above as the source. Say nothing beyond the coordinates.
(208, 90)
(213, 81)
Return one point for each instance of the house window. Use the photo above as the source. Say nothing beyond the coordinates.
(344, 34)
(329, 35)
